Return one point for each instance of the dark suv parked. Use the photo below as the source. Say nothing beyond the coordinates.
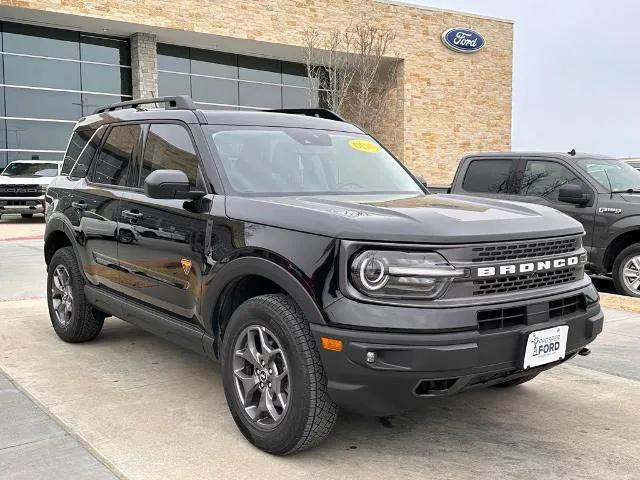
(294, 248)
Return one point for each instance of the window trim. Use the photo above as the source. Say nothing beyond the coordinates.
(91, 172)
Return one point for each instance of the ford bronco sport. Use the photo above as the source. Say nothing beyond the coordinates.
(298, 251)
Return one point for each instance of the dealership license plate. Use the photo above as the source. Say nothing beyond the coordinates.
(546, 346)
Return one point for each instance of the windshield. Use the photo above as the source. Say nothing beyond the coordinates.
(621, 175)
(286, 161)
(23, 169)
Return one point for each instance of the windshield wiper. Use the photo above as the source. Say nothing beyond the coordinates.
(628, 190)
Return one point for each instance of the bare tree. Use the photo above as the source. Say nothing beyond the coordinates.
(351, 65)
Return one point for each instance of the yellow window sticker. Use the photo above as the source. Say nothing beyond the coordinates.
(364, 146)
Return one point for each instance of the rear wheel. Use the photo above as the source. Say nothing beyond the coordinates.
(72, 317)
(516, 381)
(26, 215)
(274, 381)
(626, 271)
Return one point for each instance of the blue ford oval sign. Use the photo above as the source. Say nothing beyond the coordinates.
(463, 40)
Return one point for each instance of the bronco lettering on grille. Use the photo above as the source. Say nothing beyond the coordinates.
(528, 267)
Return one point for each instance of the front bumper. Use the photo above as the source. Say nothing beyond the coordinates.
(22, 205)
(411, 366)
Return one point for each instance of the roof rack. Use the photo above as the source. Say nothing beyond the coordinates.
(178, 102)
(310, 112)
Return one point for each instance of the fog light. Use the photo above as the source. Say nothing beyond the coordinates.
(371, 357)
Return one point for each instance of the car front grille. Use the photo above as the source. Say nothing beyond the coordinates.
(524, 250)
(514, 283)
(8, 191)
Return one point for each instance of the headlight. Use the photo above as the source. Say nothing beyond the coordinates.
(411, 275)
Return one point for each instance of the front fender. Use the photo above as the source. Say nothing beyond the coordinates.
(263, 267)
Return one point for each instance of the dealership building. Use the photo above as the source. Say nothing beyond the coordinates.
(59, 60)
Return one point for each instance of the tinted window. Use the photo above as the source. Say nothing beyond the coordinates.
(37, 135)
(42, 72)
(544, 179)
(37, 40)
(77, 144)
(106, 79)
(104, 50)
(214, 90)
(115, 156)
(488, 176)
(169, 147)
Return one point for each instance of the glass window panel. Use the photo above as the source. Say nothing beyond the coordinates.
(169, 147)
(294, 74)
(3, 160)
(217, 64)
(2, 110)
(92, 101)
(258, 95)
(26, 155)
(105, 79)
(23, 102)
(214, 90)
(114, 158)
(299, 98)
(3, 133)
(489, 176)
(173, 84)
(36, 40)
(105, 50)
(259, 69)
(31, 134)
(173, 58)
(39, 72)
(544, 179)
(86, 156)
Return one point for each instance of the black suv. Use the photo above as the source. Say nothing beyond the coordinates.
(297, 250)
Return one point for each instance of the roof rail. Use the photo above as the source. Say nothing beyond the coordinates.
(178, 102)
(310, 112)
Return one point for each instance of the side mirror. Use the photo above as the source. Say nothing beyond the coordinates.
(170, 184)
(573, 194)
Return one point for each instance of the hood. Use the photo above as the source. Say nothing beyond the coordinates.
(406, 218)
(6, 180)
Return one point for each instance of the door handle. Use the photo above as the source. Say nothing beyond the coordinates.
(81, 205)
(132, 214)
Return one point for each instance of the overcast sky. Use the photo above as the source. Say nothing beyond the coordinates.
(576, 76)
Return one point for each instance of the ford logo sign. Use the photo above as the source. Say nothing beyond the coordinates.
(463, 40)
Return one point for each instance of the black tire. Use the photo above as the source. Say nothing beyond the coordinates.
(310, 414)
(26, 215)
(84, 322)
(516, 381)
(618, 267)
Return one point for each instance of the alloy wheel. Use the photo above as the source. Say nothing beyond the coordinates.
(631, 274)
(62, 295)
(261, 376)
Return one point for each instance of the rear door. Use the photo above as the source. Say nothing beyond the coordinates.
(96, 202)
(540, 182)
(488, 177)
(162, 258)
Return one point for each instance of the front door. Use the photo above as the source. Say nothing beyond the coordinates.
(162, 259)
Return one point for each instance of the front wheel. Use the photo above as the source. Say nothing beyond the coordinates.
(626, 271)
(72, 317)
(273, 379)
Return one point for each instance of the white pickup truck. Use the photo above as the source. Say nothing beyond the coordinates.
(23, 184)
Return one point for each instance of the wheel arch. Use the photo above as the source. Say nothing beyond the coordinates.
(618, 244)
(246, 278)
(55, 238)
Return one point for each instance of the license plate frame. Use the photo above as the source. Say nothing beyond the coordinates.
(545, 346)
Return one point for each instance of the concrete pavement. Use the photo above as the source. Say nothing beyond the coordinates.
(147, 409)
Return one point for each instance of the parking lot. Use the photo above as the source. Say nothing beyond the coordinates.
(131, 405)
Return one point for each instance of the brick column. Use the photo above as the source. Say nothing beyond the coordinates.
(144, 65)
